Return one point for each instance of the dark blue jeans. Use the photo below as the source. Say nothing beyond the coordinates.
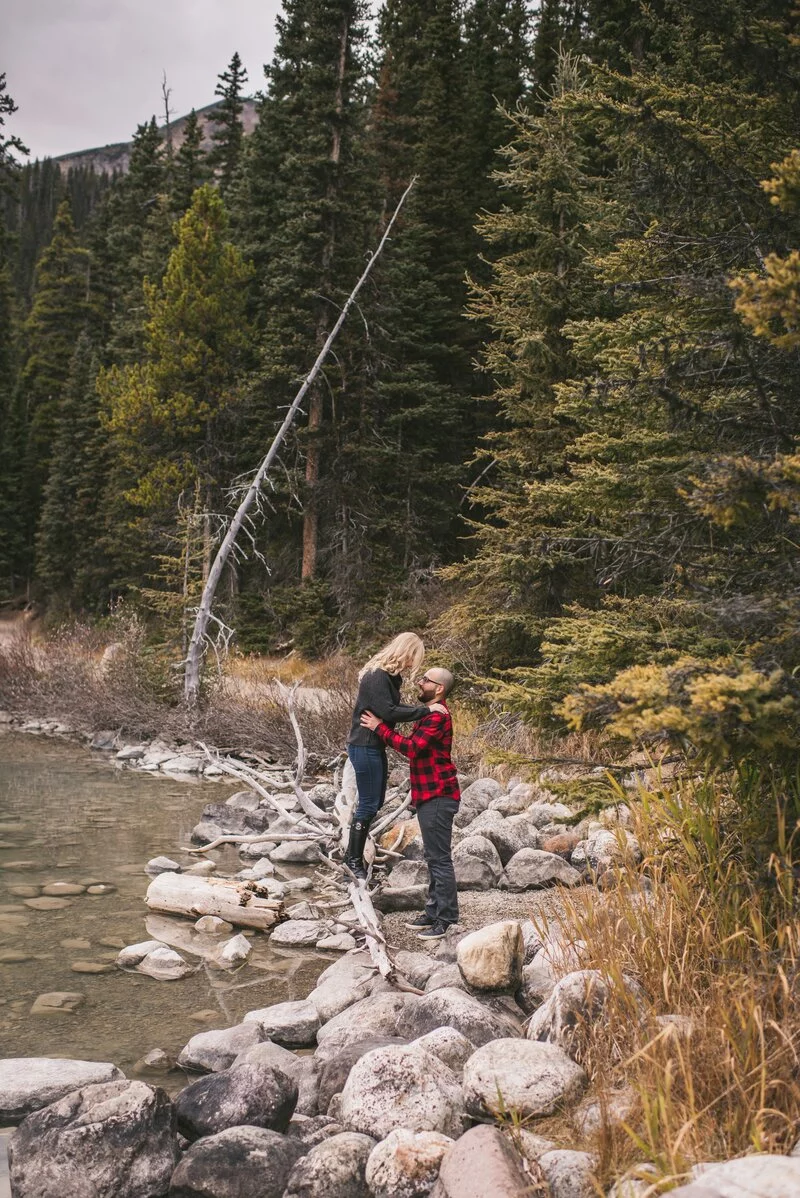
(436, 826)
(371, 771)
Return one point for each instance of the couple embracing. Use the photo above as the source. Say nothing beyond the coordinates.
(434, 785)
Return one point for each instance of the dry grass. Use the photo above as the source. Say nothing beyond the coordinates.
(716, 940)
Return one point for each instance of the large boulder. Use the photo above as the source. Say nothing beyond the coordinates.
(604, 849)
(406, 1164)
(415, 967)
(293, 1024)
(255, 1093)
(373, 1016)
(241, 1162)
(111, 1140)
(409, 873)
(482, 1163)
(477, 864)
(267, 1053)
(344, 983)
(508, 836)
(757, 1176)
(295, 852)
(400, 1086)
(390, 898)
(211, 1052)
(237, 818)
(334, 1168)
(478, 1020)
(449, 1045)
(30, 1083)
(531, 869)
(492, 957)
(333, 1073)
(505, 1075)
(569, 1174)
(556, 957)
(577, 999)
(475, 799)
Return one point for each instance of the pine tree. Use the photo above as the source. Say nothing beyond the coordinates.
(190, 169)
(63, 307)
(228, 135)
(171, 416)
(69, 561)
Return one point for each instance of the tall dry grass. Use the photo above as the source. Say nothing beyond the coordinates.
(712, 939)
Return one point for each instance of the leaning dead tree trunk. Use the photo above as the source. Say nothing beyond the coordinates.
(195, 653)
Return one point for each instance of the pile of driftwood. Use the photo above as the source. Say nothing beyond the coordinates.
(242, 904)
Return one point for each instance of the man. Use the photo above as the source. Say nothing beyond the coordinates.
(435, 796)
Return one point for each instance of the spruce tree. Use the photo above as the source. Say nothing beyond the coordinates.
(189, 169)
(228, 134)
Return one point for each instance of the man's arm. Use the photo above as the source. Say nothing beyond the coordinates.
(427, 731)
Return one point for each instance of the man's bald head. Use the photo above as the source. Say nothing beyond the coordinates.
(441, 677)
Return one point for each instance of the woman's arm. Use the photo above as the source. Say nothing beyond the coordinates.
(377, 695)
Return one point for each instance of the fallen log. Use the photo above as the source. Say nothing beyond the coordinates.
(237, 902)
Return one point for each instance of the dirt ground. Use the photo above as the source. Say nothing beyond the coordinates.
(477, 909)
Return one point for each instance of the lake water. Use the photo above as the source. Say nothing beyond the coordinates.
(68, 815)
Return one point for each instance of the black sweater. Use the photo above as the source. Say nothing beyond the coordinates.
(379, 693)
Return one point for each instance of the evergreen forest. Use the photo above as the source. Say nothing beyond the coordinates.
(559, 433)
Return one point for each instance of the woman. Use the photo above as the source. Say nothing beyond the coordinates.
(378, 692)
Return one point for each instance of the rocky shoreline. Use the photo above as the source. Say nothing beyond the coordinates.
(433, 1081)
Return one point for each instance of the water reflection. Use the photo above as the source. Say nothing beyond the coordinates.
(70, 816)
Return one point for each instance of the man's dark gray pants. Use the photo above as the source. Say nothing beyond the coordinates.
(436, 825)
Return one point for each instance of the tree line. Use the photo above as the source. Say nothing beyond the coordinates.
(563, 422)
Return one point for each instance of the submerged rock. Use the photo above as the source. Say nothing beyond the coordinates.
(58, 1002)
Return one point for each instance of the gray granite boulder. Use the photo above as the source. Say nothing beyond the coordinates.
(569, 1174)
(240, 1162)
(376, 1015)
(449, 1045)
(531, 869)
(254, 1093)
(478, 1020)
(30, 1083)
(292, 1024)
(406, 1164)
(477, 864)
(505, 1075)
(481, 1163)
(475, 799)
(112, 1140)
(401, 1086)
(333, 1073)
(211, 1052)
(492, 957)
(333, 1169)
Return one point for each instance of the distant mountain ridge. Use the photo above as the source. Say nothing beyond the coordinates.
(117, 156)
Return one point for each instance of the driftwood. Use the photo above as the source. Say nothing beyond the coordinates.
(197, 643)
(237, 902)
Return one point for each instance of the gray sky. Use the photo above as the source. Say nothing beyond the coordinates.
(86, 72)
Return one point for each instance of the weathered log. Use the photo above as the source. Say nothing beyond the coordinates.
(237, 902)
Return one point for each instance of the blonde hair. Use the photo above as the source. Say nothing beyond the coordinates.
(405, 653)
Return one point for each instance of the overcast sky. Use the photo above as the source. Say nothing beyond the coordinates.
(86, 72)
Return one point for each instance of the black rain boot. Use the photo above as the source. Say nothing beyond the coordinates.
(354, 858)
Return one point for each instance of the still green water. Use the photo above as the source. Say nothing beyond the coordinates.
(68, 815)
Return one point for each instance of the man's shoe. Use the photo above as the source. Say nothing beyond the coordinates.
(422, 921)
(435, 932)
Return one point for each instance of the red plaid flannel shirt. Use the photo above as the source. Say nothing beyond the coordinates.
(433, 775)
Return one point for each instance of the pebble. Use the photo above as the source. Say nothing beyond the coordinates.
(18, 865)
(58, 1002)
(101, 888)
(111, 942)
(60, 889)
(155, 1061)
(48, 903)
(91, 967)
(209, 1015)
(24, 891)
(76, 943)
(12, 923)
(10, 956)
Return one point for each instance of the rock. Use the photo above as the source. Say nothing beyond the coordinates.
(131, 753)
(244, 800)
(475, 799)
(409, 873)
(253, 1093)
(562, 843)
(402, 836)
(214, 1051)
(161, 865)
(757, 1176)
(268, 1053)
(62, 889)
(164, 964)
(303, 910)
(453, 1049)
(58, 1002)
(298, 933)
(615, 1109)
(293, 1024)
(240, 1162)
(415, 967)
(576, 1000)
(492, 958)
(530, 1145)
(508, 836)
(234, 952)
(342, 942)
(24, 891)
(47, 903)
(445, 975)
(256, 849)
(155, 1061)
(100, 888)
(518, 799)
(30, 1083)
(400, 1086)
(91, 967)
(103, 740)
(183, 764)
(214, 925)
(531, 869)
(294, 884)
(131, 956)
(603, 849)
(482, 1163)
(335, 1070)
(115, 1139)
(400, 898)
(406, 1164)
(333, 1169)
(296, 852)
(344, 983)
(200, 869)
(312, 1129)
(476, 1020)
(376, 1015)
(505, 1075)
(477, 864)
(569, 1174)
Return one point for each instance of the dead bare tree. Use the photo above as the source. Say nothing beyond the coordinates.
(195, 654)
